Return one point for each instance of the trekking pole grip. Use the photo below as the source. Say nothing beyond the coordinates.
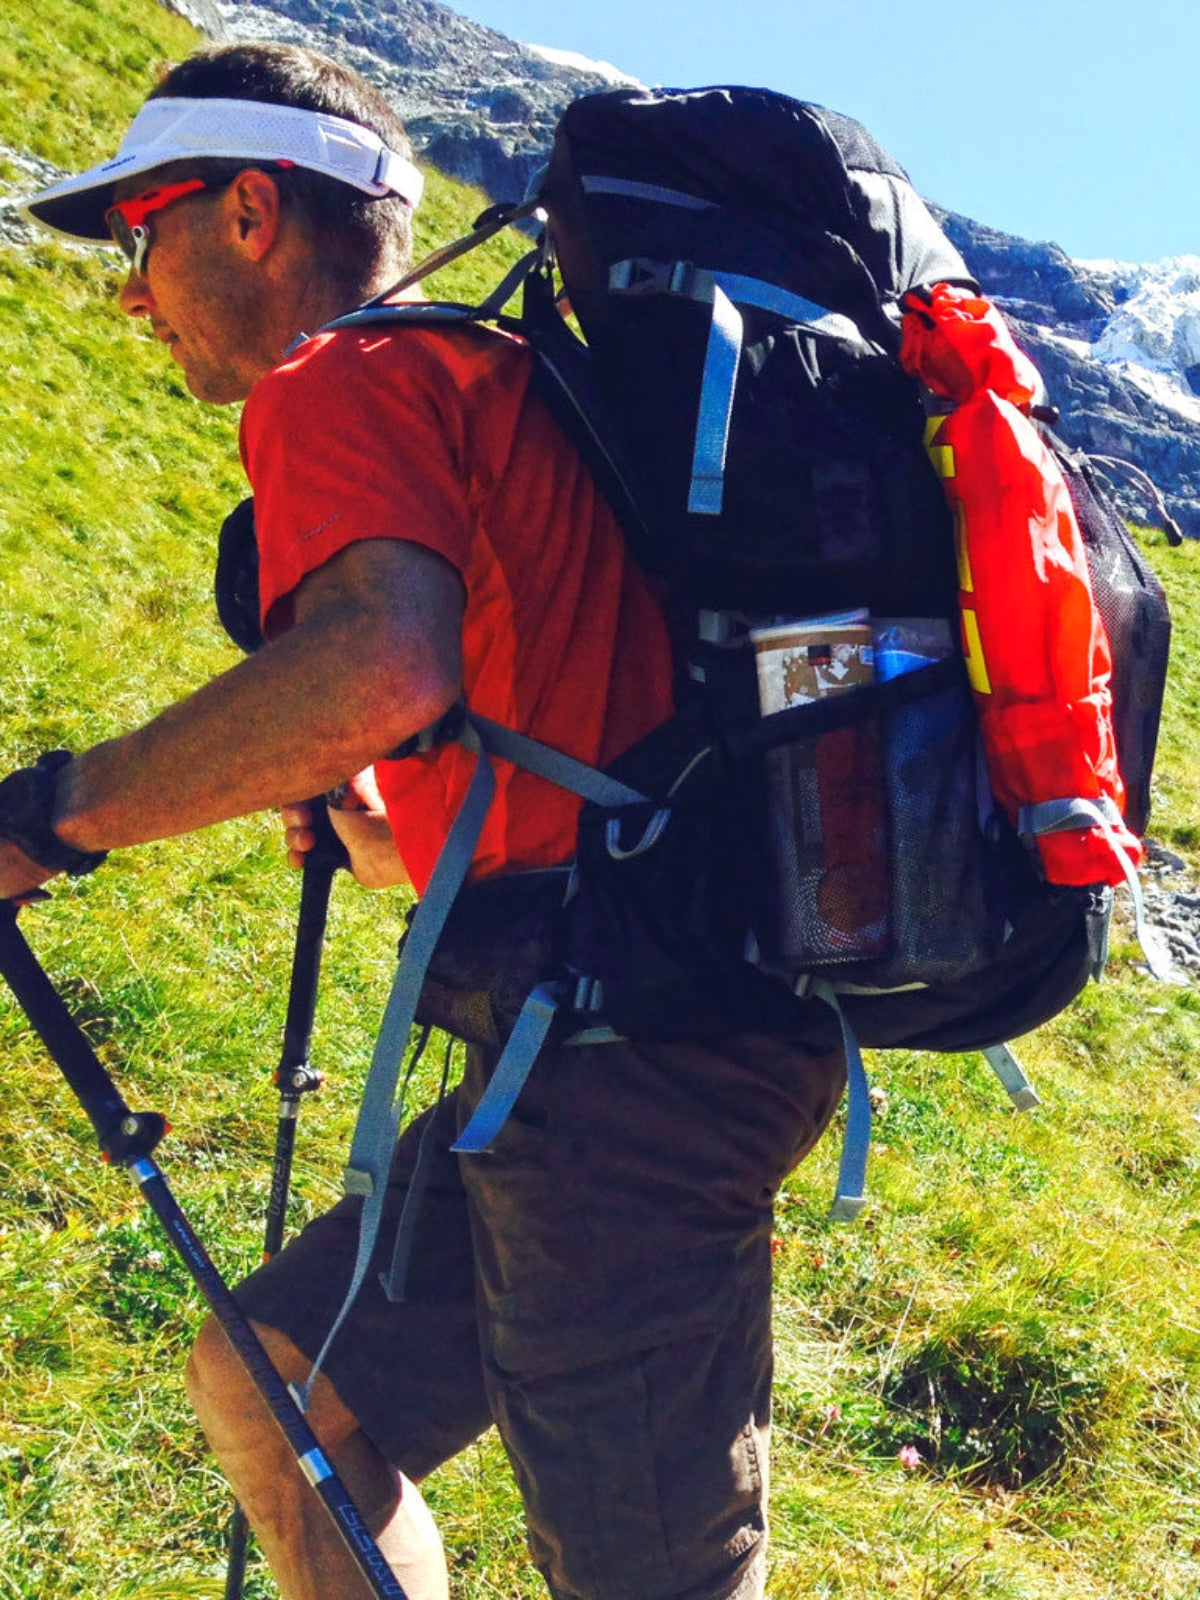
(328, 849)
(321, 865)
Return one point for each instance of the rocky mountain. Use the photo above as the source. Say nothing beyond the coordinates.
(477, 105)
(1118, 344)
(1119, 348)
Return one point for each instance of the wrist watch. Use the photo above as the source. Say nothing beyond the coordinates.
(27, 799)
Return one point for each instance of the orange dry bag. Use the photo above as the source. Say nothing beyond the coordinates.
(1037, 654)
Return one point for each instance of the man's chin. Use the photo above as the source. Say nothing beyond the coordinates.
(214, 389)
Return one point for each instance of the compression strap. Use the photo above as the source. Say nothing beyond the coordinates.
(725, 292)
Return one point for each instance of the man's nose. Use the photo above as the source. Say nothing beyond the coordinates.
(134, 296)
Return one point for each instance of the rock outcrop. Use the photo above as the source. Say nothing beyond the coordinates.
(1114, 344)
(478, 105)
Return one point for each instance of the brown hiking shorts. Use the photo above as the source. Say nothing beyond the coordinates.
(598, 1286)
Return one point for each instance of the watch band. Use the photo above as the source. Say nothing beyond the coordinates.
(27, 799)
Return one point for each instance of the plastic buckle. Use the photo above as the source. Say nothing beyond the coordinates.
(641, 276)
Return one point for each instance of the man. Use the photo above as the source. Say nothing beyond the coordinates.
(597, 1286)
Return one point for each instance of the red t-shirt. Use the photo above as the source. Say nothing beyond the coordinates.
(434, 436)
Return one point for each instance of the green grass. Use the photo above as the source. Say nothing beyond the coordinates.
(1021, 1306)
(72, 70)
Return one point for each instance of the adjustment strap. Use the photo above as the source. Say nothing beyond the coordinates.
(724, 291)
(1012, 1075)
(542, 1005)
(546, 762)
(656, 193)
(395, 1279)
(856, 1142)
(492, 221)
(722, 359)
(379, 1115)
(512, 1070)
(1060, 816)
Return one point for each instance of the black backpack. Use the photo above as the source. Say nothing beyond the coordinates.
(735, 261)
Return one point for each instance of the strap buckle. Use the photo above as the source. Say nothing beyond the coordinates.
(642, 276)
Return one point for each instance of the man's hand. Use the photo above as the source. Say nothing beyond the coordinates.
(360, 822)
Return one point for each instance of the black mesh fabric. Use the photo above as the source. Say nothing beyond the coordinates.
(887, 872)
(1131, 601)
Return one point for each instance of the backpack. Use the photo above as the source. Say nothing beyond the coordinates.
(736, 262)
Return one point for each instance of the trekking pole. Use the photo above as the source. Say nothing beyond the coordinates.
(127, 1139)
(295, 1077)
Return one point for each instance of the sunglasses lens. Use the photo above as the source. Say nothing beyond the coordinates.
(139, 236)
(124, 237)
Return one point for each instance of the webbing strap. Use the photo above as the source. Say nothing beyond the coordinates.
(795, 307)
(541, 1005)
(721, 362)
(379, 1115)
(1059, 816)
(508, 286)
(512, 1070)
(727, 291)
(490, 223)
(1012, 1075)
(724, 291)
(546, 762)
(640, 276)
(631, 189)
(435, 311)
(856, 1143)
(395, 1279)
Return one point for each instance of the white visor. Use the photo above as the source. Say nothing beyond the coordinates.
(252, 130)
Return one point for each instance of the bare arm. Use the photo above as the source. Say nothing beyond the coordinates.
(374, 656)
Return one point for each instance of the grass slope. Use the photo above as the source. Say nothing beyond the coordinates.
(1020, 1313)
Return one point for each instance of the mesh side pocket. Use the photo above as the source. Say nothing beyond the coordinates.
(944, 920)
(885, 871)
(828, 842)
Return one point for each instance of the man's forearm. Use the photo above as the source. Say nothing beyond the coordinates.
(291, 721)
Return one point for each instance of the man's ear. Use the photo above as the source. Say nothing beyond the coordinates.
(255, 212)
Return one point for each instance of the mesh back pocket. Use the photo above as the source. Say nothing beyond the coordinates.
(828, 843)
(878, 834)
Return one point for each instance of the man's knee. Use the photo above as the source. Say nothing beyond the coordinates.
(225, 1397)
(210, 1376)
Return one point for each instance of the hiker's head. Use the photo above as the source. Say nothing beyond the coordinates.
(255, 178)
(358, 216)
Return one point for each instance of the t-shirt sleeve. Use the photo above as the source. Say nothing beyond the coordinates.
(340, 445)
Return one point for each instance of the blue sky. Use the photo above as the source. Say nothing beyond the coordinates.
(1072, 120)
